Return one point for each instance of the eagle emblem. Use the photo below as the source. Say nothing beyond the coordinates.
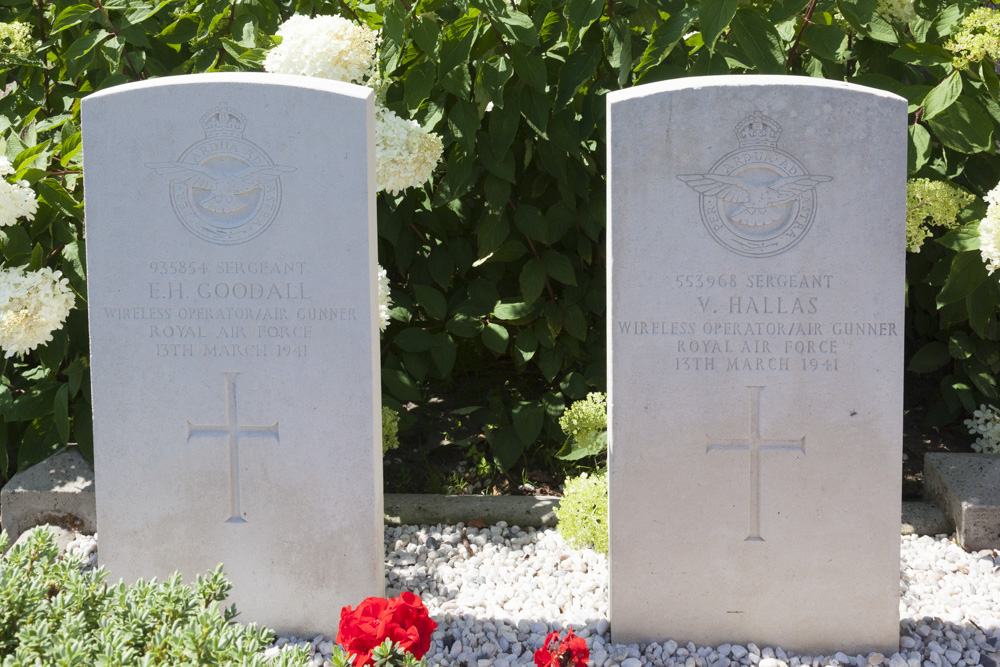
(224, 189)
(758, 200)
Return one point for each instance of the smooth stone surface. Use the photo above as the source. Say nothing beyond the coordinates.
(58, 491)
(967, 488)
(924, 519)
(756, 362)
(414, 508)
(233, 309)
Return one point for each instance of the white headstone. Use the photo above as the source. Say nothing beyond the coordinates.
(757, 240)
(233, 320)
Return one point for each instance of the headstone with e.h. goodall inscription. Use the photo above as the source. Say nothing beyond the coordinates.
(233, 323)
(756, 230)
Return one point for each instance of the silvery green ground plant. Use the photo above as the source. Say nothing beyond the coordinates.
(53, 612)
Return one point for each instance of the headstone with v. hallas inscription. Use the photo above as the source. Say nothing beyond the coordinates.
(757, 243)
(232, 298)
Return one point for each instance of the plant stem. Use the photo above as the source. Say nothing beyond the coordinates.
(806, 20)
(136, 74)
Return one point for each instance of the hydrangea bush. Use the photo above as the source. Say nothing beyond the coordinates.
(497, 263)
(985, 423)
(583, 512)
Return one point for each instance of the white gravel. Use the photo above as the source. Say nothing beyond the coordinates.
(489, 590)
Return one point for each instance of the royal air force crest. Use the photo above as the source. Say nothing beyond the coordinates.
(224, 189)
(758, 200)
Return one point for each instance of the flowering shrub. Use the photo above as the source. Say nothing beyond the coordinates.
(985, 423)
(403, 621)
(571, 651)
(498, 262)
(586, 424)
(330, 47)
(931, 203)
(390, 429)
(33, 304)
(583, 512)
(17, 200)
(977, 38)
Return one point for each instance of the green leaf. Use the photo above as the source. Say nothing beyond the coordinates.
(60, 410)
(400, 385)
(618, 47)
(758, 39)
(574, 451)
(581, 13)
(982, 304)
(550, 362)
(534, 106)
(444, 353)
(559, 267)
(531, 222)
(665, 37)
(930, 357)
(505, 445)
(532, 281)
(464, 326)
(71, 16)
(920, 53)
(981, 377)
(967, 273)
(525, 345)
(919, 147)
(942, 95)
(32, 156)
(418, 83)
(441, 266)
(714, 16)
(528, 417)
(494, 75)
(960, 346)
(463, 121)
(84, 45)
(495, 337)
(529, 66)
(516, 26)
(575, 322)
(426, 34)
(432, 301)
(54, 194)
(517, 310)
(414, 339)
(962, 239)
(578, 69)
(964, 126)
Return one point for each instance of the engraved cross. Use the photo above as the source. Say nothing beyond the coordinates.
(233, 431)
(754, 444)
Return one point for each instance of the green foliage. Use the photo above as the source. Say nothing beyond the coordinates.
(53, 613)
(586, 424)
(387, 654)
(583, 512)
(390, 429)
(498, 266)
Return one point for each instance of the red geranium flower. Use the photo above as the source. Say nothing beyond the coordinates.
(571, 652)
(404, 620)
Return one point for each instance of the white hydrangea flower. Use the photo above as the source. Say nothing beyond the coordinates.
(330, 47)
(384, 302)
(989, 231)
(985, 423)
(405, 155)
(897, 11)
(17, 200)
(33, 304)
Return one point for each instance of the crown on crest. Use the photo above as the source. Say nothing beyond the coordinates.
(223, 121)
(758, 130)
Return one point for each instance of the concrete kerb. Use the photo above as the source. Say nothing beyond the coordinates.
(60, 491)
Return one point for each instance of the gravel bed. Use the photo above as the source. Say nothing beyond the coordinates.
(496, 592)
